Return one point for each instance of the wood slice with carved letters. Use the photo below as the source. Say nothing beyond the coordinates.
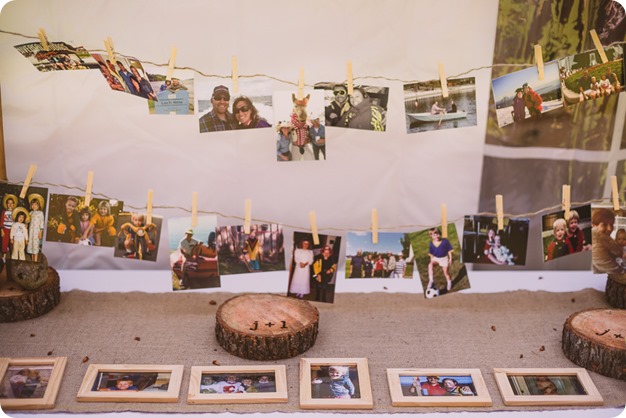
(616, 290)
(19, 304)
(266, 327)
(595, 339)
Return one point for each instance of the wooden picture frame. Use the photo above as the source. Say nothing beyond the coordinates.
(314, 372)
(559, 387)
(205, 388)
(410, 387)
(131, 383)
(52, 369)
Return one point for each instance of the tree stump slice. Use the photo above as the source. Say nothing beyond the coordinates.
(616, 290)
(18, 304)
(266, 327)
(595, 339)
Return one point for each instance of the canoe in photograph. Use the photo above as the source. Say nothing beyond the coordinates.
(427, 117)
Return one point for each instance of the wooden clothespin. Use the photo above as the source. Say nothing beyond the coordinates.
(539, 61)
(108, 45)
(614, 193)
(300, 95)
(444, 82)
(29, 177)
(194, 209)
(598, 45)
(43, 39)
(149, 207)
(88, 188)
(444, 221)
(500, 211)
(566, 204)
(235, 74)
(171, 64)
(349, 78)
(313, 220)
(247, 217)
(374, 226)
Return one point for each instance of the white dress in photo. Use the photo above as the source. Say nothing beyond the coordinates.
(301, 275)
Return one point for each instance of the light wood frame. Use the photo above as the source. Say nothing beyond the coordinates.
(54, 382)
(85, 394)
(280, 379)
(365, 386)
(593, 397)
(482, 397)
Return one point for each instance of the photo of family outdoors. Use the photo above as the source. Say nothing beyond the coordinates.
(260, 250)
(563, 236)
(433, 385)
(484, 243)
(58, 56)
(238, 383)
(126, 75)
(390, 258)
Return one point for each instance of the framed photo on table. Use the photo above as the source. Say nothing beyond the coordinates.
(571, 386)
(237, 384)
(30, 383)
(437, 387)
(335, 383)
(131, 383)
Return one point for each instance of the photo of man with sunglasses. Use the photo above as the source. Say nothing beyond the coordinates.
(218, 118)
(339, 105)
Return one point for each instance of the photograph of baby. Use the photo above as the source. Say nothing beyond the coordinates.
(391, 258)
(22, 222)
(562, 236)
(365, 108)
(521, 95)
(335, 381)
(20, 382)
(483, 243)
(300, 126)
(125, 74)
(608, 240)
(313, 269)
(59, 56)
(524, 385)
(193, 257)
(136, 238)
(585, 77)
(172, 97)
(427, 110)
(438, 261)
(238, 383)
(260, 250)
(70, 221)
(437, 385)
(221, 109)
(131, 381)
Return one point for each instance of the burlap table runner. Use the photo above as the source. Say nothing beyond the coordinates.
(391, 330)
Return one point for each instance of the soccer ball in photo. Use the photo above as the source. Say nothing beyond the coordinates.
(431, 293)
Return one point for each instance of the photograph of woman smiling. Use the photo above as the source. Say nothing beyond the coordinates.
(247, 115)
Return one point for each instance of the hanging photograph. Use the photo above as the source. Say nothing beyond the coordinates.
(391, 258)
(125, 74)
(221, 109)
(171, 97)
(193, 256)
(30, 383)
(22, 221)
(484, 243)
(365, 108)
(585, 77)
(300, 126)
(313, 268)
(521, 95)
(608, 240)
(427, 110)
(437, 387)
(136, 237)
(260, 250)
(438, 261)
(561, 236)
(59, 56)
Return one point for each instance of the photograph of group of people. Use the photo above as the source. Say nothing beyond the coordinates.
(567, 234)
(22, 222)
(313, 269)
(426, 109)
(608, 240)
(131, 381)
(59, 56)
(238, 383)
(390, 258)
(437, 385)
(125, 74)
(262, 249)
(21, 382)
(484, 243)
